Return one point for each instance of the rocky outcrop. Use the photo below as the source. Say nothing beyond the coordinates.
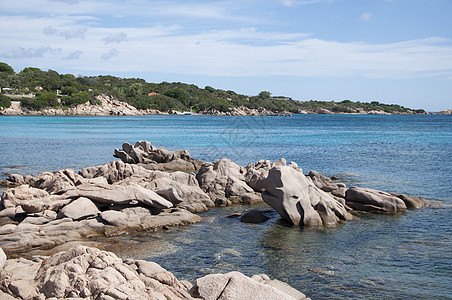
(89, 273)
(378, 201)
(445, 112)
(153, 158)
(255, 174)
(299, 201)
(54, 208)
(106, 106)
(180, 188)
(411, 202)
(65, 206)
(113, 171)
(235, 285)
(224, 179)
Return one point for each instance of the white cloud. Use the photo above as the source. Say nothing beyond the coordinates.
(111, 53)
(74, 55)
(288, 3)
(21, 52)
(115, 38)
(292, 3)
(365, 17)
(67, 34)
(235, 51)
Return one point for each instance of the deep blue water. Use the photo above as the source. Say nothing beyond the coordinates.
(375, 256)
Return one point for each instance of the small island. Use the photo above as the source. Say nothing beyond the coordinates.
(36, 92)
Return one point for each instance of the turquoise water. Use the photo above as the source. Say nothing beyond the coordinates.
(373, 257)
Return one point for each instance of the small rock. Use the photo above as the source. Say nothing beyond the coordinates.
(79, 209)
(253, 216)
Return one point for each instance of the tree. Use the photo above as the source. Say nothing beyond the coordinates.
(265, 95)
(5, 102)
(136, 89)
(5, 68)
(180, 95)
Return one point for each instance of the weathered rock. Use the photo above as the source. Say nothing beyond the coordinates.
(282, 286)
(13, 180)
(113, 171)
(223, 179)
(299, 201)
(171, 194)
(373, 200)
(180, 188)
(222, 202)
(58, 182)
(8, 229)
(235, 285)
(162, 281)
(2, 258)
(79, 209)
(15, 196)
(17, 278)
(40, 218)
(32, 200)
(256, 173)
(144, 153)
(121, 194)
(185, 184)
(26, 236)
(254, 216)
(327, 185)
(88, 273)
(410, 202)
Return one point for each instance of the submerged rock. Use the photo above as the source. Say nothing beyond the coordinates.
(253, 216)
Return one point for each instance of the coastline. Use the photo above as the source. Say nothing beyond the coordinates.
(152, 189)
(352, 226)
(109, 106)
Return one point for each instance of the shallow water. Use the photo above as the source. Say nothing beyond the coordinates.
(375, 256)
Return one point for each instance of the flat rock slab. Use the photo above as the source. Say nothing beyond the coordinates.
(373, 200)
(79, 209)
(121, 194)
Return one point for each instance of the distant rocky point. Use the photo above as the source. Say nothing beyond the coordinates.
(36, 92)
(445, 112)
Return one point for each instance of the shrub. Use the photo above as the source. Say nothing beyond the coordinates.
(5, 102)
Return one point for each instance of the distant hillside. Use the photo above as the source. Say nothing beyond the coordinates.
(37, 89)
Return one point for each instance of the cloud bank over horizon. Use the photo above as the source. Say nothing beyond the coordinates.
(222, 41)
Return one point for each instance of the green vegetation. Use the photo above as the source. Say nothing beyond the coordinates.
(66, 90)
(4, 101)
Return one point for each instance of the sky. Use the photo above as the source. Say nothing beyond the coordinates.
(391, 51)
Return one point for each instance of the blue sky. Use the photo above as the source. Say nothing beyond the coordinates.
(392, 51)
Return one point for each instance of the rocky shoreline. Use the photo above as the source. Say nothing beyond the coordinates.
(109, 106)
(151, 189)
(89, 273)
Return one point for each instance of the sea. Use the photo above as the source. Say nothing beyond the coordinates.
(375, 256)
